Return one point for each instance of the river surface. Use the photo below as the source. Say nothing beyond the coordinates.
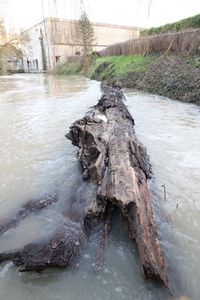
(37, 160)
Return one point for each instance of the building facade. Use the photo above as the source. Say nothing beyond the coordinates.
(10, 59)
(53, 40)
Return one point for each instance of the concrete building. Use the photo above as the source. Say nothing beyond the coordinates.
(53, 40)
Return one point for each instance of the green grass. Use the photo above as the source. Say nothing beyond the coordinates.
(117, 66)
(109, 67)
(67, 68)
(194, 61)
(192, 22)
(172, 76)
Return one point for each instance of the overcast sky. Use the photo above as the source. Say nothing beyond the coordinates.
(23, 13)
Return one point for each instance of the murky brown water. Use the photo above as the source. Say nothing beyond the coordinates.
(36, 159)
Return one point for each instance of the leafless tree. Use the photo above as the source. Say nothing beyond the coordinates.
(3, 34)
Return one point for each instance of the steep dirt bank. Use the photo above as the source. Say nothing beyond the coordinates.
(170, 76)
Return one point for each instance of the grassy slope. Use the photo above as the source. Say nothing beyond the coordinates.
(192, 22)
(67, 68)
(117, 66)
(170, 76)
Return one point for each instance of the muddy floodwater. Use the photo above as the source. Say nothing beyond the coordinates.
(37, 160)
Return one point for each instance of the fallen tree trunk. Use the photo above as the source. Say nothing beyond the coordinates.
(113, 159)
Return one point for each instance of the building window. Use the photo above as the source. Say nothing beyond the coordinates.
(58, 58)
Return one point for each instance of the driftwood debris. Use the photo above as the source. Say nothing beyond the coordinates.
(117, 164)
(32, 206)
(58, 250)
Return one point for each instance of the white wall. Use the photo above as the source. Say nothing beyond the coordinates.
(32, 52)
(60, 42)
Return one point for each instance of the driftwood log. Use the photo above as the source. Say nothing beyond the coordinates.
(113, 158)
(117, 164)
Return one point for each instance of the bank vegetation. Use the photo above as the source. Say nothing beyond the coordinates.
(185, 24)
(166, 64)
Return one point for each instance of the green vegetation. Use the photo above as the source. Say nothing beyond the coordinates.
(171, 76)
(106, 67)
(192, 22)
(68, 68)
(115, 67)
(194, 61)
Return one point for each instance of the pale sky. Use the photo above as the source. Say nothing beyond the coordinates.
(24, 13)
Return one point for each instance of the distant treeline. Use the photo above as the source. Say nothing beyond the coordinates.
(192, 22)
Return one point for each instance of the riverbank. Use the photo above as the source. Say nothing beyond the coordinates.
(170, 76)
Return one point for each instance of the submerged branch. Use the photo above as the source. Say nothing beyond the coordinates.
(33, 206)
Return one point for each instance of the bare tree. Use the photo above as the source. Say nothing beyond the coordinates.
(3, 41)
(24, 38)
(3, 34)
(9, 46)
(86, 38)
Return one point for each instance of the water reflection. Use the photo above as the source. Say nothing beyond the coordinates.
(58, 86)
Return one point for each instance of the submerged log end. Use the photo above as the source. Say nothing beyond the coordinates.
(154, 267)
(59, 250)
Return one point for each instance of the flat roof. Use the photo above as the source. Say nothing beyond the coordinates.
(75, 21)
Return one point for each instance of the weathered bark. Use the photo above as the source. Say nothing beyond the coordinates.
(59, 250)
(106, 226)
(113, 158)
(31, 206)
